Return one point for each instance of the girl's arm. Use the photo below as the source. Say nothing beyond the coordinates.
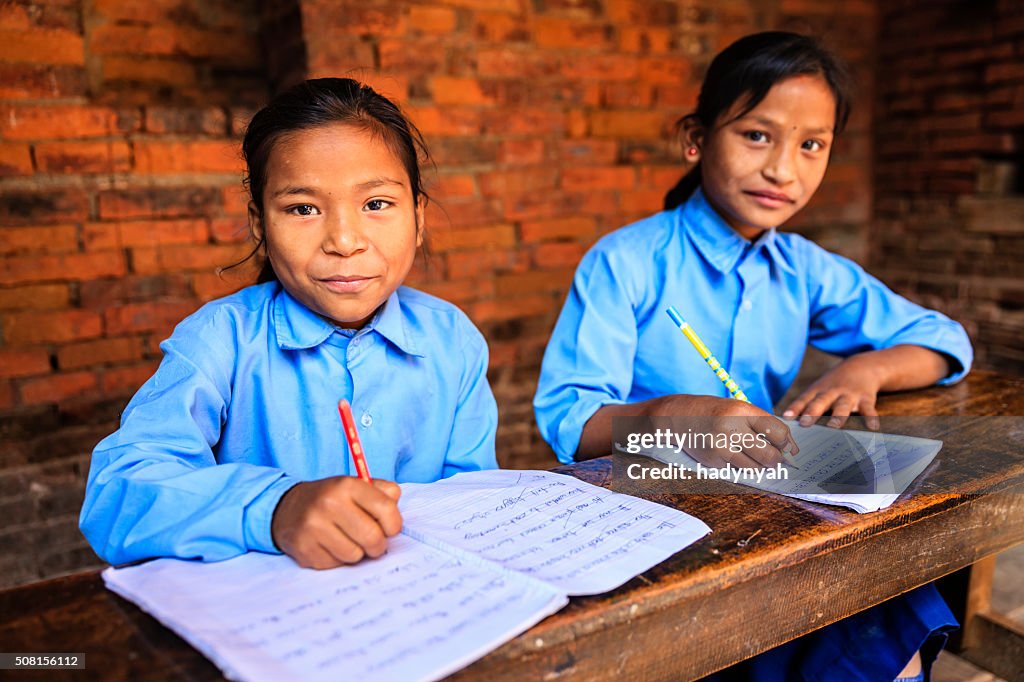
(155, 487)
(891, 343)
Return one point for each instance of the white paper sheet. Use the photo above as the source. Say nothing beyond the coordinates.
(556, 528)
(414, 614)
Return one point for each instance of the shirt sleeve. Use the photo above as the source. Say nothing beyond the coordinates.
(853, 312)
(589, 359)
(155, 487)
(471, 446)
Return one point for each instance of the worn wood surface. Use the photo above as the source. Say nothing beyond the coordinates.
(773, 569)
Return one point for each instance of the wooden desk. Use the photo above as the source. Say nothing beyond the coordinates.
(772, 570)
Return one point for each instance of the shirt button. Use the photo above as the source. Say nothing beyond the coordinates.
(746, 305)
(366, 420)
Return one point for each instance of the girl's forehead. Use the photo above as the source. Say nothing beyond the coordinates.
(336, 148)
(806, 99)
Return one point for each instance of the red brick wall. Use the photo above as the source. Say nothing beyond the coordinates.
(949, 216)
(119, 195)
(549, 120)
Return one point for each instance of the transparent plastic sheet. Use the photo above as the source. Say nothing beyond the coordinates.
(852, 466)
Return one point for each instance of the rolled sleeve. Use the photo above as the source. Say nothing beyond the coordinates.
(853, 312)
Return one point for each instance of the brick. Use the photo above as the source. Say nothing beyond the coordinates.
(460, 213)
(47, 239)
(589, 152)
(453, 152)
(100, 293)
(508, 309)
(440, 20)
(543, 230)
(62, 121)
(564, 34)
(149, 72)
(485, 262)
(29, 328)
(210, 285)
(142, 317)
(627, 124)
(39, 297)
(502, 183)
(174, 40)
(99, 352)
(1007, 71)
(459, 291)
(491, 236)
(63, 267)
(41, 81)
(453, 185)
(557, 255)
(235, 200)
(42, 46)
(23, 363)
(513, 6)
(163, 202)
(449, 121)
(509, 121)
(447, 90)
(84, 157)
(126, 380)
(508, 62)
(174, 258)
(155, 232)
(642, 201)
(608, 177)
(32, 208)
(665, 70)
(645, 39)
(496, 27)
(521, 152)
(604, 67)
(15, 159)
(214, 156)
(229, 230)
(534, 282)
(58, 388)
(628, 95)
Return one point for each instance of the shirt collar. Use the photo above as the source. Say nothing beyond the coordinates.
(720, 245)
(298, 327)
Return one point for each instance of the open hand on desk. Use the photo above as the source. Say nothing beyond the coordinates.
(851, 386)
(336, 521)
(759, 437)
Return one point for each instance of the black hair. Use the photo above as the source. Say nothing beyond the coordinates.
(747, 70)
(323, 101)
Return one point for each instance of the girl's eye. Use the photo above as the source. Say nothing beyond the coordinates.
(756, 136)
(303, 210)
(813, 145)
(377, 204)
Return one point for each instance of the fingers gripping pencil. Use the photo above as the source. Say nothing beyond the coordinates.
(734, 390)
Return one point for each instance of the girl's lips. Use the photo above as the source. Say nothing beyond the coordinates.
(770, 199)
(347, 285)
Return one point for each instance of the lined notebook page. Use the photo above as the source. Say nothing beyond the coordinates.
(415, 613)
(578, 536)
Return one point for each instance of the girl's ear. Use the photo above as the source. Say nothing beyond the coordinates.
(421, 213)
(255, 223)
(691, 134)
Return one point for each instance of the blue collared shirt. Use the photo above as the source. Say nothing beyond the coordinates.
(244, 405)
(756, 305)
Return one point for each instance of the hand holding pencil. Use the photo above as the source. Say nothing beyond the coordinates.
(341, 519)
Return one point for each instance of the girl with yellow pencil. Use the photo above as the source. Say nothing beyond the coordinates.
(767, 116)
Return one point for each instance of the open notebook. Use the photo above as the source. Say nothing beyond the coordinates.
(862, 470)
(482, 557)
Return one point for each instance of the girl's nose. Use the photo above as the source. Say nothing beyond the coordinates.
(343, 235)
(781, 167)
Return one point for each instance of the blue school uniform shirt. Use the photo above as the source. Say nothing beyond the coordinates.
(244, 405)
(755, 304)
